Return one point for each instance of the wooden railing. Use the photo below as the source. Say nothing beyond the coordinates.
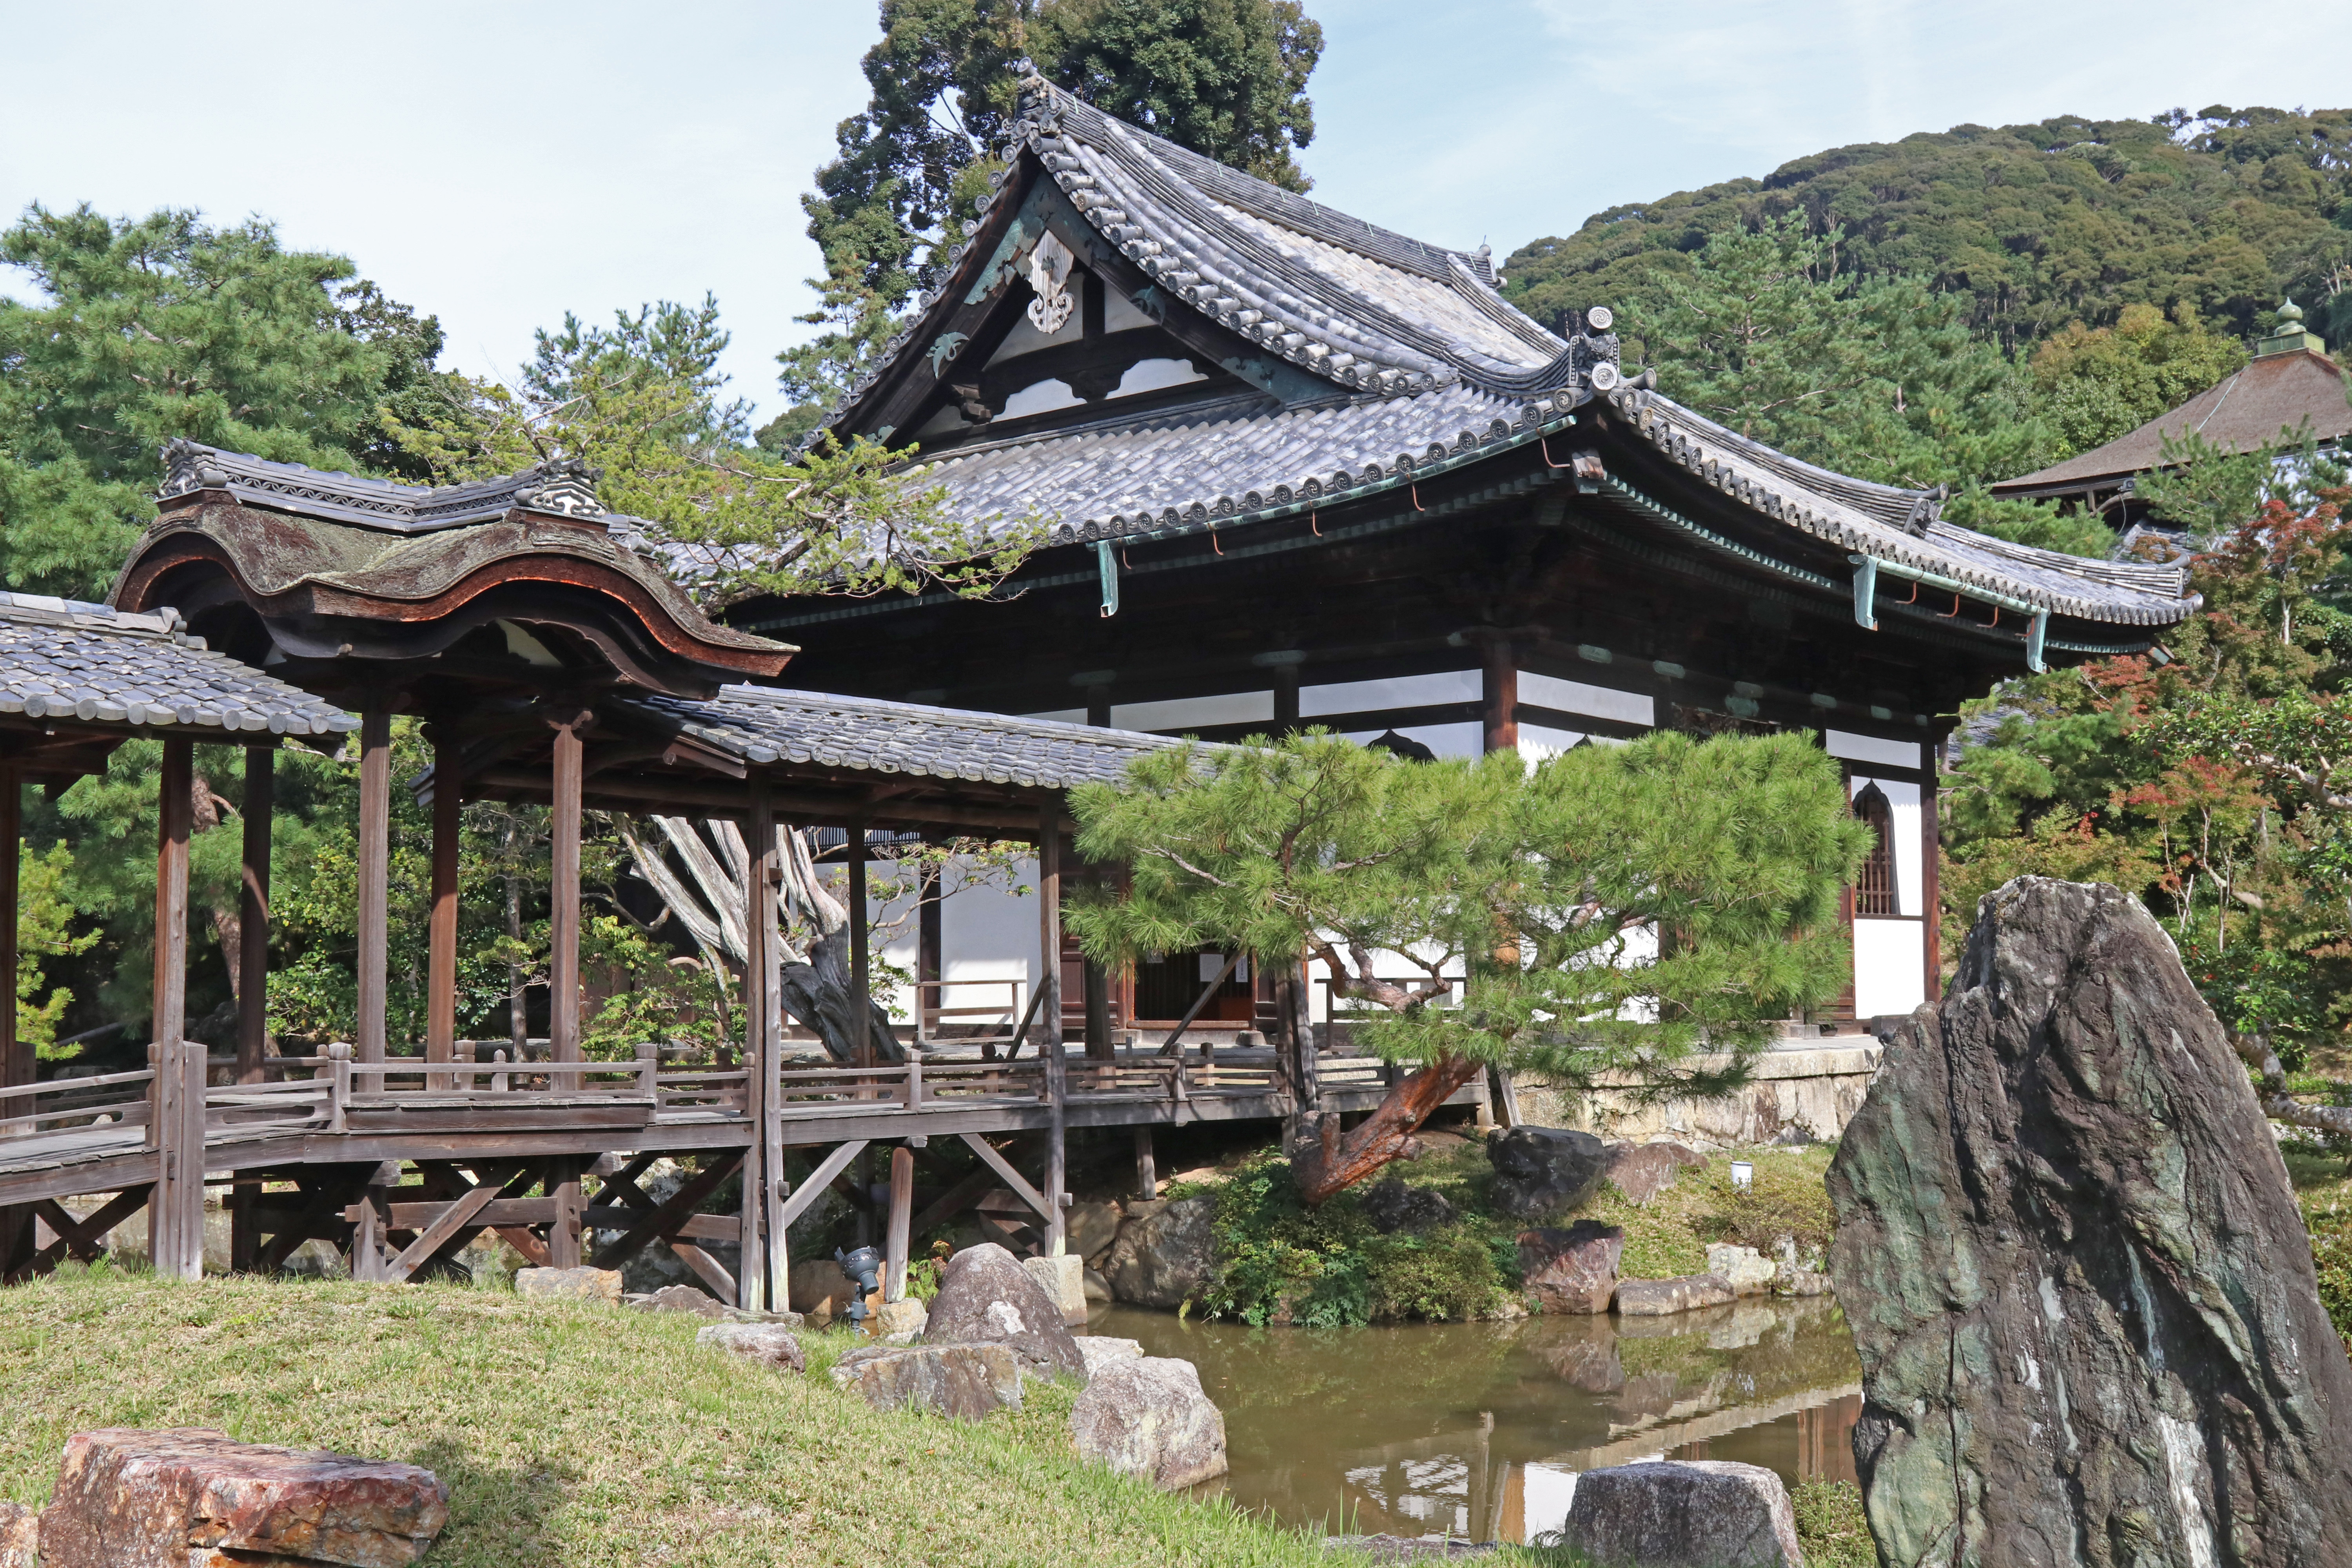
(118, 1099)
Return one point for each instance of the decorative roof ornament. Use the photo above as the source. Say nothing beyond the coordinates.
(1049, 275)
(2290, 336)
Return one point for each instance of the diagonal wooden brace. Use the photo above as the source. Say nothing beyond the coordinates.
(664, 1221)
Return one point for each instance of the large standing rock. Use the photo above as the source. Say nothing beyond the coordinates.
(1539, 1170)
(987, 1297)
(1572, 1270)
(1091, 1228)
(1165, 1252)
(1146, 1416)
(965, 1381)
(2075, 1270)
(1691, 1513)
(129, 1499)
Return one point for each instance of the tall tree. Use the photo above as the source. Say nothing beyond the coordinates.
(2093, 384)
(1617, 909)
(1224, 78)
(160, 327)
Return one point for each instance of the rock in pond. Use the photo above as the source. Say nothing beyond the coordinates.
(1643, 1170)
(1572, 1270)
(1164, 1252)
(1657, 1297)
(1392, 1206)
(20, 1535)
(1539, 1170)
(129, 1499)
(569, 1285)
(1690, 1514)
(2073, 1263)
(1064, 1279)
(771, 1344)
(1146, 1416)
(1749, 1271)
(986, 1297)
(965, 1381)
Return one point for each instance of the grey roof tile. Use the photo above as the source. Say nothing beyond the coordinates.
(764, 724)
(63, 659)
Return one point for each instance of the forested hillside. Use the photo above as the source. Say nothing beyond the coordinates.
(2038, 225)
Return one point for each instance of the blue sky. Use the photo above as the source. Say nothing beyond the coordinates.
(498, 164)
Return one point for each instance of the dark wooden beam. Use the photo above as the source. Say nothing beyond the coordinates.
(563, 906)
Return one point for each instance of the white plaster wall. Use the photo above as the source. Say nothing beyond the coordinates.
(1152, 375)
(1856, 748)
(1538, 743)
(1182, 713)
(1040, 397)
(1890, 964)
(1577, 697)
(1394, 691)
(988, 933)
(1445, 740)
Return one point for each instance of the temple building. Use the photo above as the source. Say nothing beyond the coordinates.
(2290, 391)
(1301, 470)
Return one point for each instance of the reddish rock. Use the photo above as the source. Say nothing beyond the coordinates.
(20, 1532)
(1572, 1270)
(129, 1499)
(1643, 1170)
(1657, 1297)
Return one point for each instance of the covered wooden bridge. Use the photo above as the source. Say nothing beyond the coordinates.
(552, 661)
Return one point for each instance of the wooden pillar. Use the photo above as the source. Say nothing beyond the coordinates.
(902, 1206)
(1501, 693)
(1147, 1175)
(563, 1236)
(375, 878)
(252, 914)
(760, 1280)
(180, 1173)
(253, 977)
(1049, 1011)
(563, 907)
(174, 811)
(860, 961)
(930, 928)
(441, 931)
(18, 1067)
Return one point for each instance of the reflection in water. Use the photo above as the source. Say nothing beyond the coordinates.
(1479, 1430)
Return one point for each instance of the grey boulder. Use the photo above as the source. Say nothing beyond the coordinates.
(1643, 1170)
(1146, 1416)
(680, 1299)
(968, 1381)
(1691, 1513)
(1392, 1206)
(1165, 1252)
(1539, 1170)
(986, 1297)
(2075, 1270)
(1658, 1297)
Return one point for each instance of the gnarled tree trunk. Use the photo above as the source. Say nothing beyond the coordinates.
(1326, 1162)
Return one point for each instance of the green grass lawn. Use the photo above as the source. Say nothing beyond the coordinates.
(577, 1435)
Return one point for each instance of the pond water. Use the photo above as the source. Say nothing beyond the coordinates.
(1479, 1430)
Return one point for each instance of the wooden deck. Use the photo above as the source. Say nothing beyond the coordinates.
(481, 1137)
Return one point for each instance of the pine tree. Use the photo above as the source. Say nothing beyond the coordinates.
(1648, 910)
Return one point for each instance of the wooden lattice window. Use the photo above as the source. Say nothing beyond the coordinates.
(1874, 891)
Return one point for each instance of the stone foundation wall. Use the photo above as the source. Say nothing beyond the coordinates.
(1796, 1097)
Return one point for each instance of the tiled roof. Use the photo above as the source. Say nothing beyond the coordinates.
(61, 659)
(562, 487)
(763, 724)
(1900, 526)
(1358, 306)
(1221, 464)
(2244, 413)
